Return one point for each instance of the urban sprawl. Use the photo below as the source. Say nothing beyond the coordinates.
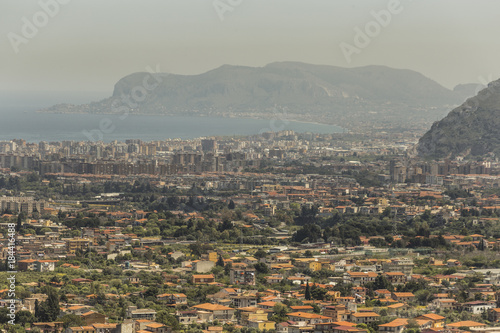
(277, 232)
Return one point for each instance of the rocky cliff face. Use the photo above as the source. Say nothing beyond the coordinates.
(472, 129)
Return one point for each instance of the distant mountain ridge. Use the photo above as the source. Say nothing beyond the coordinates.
(472, 129)
(301, 91)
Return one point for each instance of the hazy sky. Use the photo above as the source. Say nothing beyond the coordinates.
(90, 44)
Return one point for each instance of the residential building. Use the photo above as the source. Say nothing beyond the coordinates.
(363, 317)
(308, 318)
(93, 317)
(403, 297)
(202, 279)
(359, 278)
(478, 307)
(403, 265)
(209, 312)
(74, 244)
(134, 313)
(244, 275)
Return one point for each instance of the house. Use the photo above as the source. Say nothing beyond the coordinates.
(468, 323)
(77, 244)
(359, 278)
(399, 325)
(300, 328)
(283, 327)
(244, 275)
(363, 317)
(308, 318)
(361, 291)
(478, 307)
(210, 256)
(175, 299)
(403, 297)
(395, 326)
(179, 298)
(52, 327)
(332, 295)
(336, 328)
(187, 317)
(261, 325)
(80, 329)
(253, 313)
(403, 265)
(202, 279)
(299, 279)
(92, 317)
(494, 314)
(267, 305)
(77, 310)
(394, 309)
(37, 265)
(140, 324)
(382, 293)
(134, 313)
(336, 312)
(211, 312)
(158, 328)
(274, 278)
(315, 266)
(104, 328)
(244, 300)
(250, 261)
(203, 266)
(347, 301)
(453, 263)
(224, 296)
(45, 265)
(441, 296)
(445, 304)
(395, 278)
(437, 320)
(214, 329)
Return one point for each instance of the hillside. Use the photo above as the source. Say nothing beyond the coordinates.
(472, 129)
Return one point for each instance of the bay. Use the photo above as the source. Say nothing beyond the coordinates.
(25, 123)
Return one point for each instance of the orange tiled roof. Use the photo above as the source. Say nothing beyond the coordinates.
(212, 307)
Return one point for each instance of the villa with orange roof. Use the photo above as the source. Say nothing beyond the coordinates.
(338, 327)
(202, 278)
(308, 318)
(399, 325)
(363, 317)
(437, 320)
(359, 278)
(403, 297)
(210, 312)
(467, 323)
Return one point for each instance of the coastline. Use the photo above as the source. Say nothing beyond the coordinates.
(36, 126)
(291, 119)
